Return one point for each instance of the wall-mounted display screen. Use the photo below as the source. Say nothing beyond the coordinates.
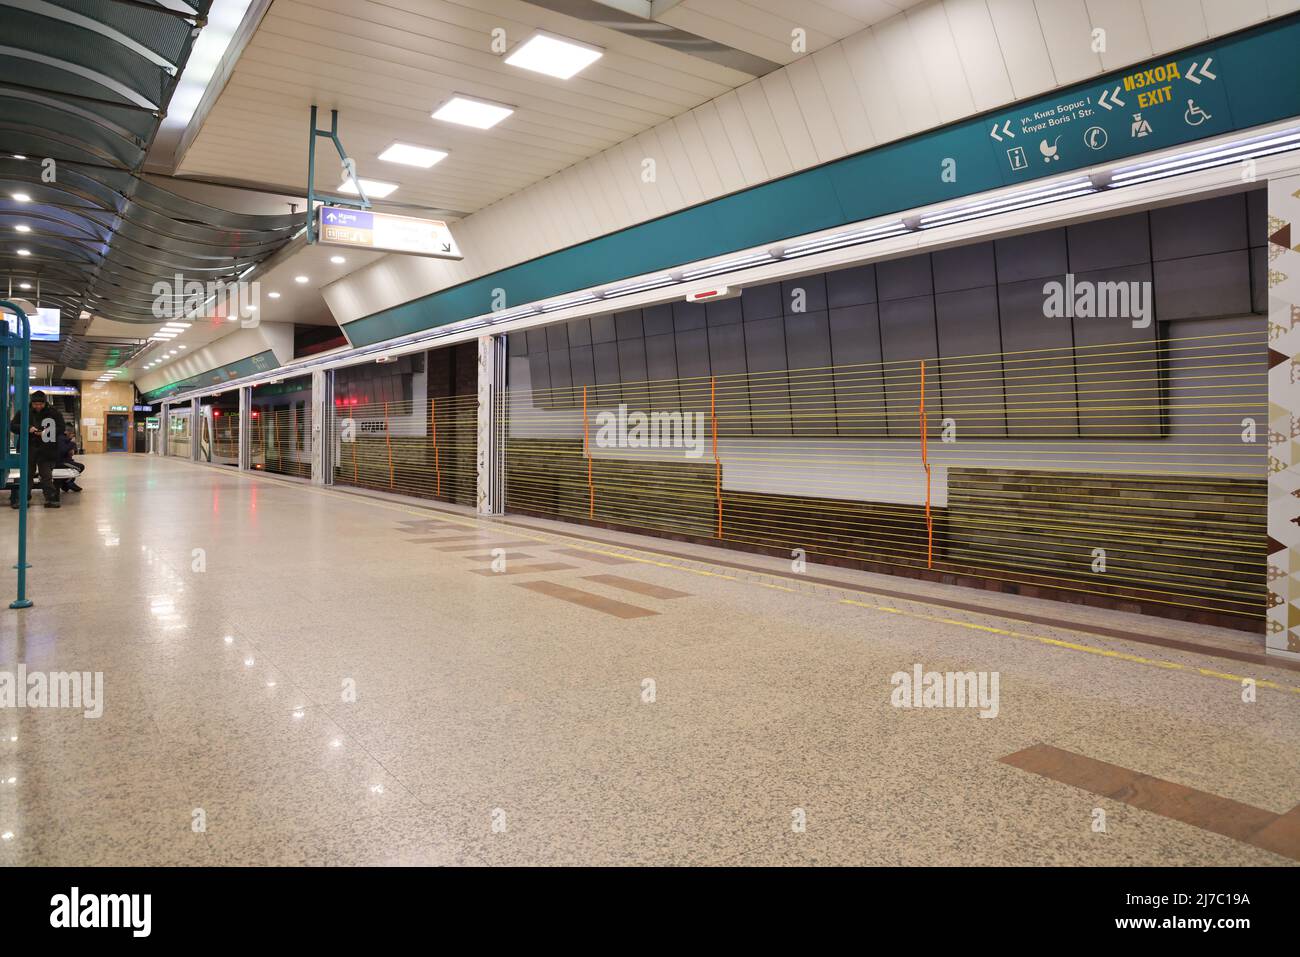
(45, 325)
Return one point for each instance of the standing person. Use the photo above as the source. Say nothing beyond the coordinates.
(67, 449)
(44, 428)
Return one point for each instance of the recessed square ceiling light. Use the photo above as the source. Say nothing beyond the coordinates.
(554, 56)
(375, 188)
(409, 155)
(274, 295)
(467, 111)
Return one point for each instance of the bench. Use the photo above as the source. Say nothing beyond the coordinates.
(59, 473)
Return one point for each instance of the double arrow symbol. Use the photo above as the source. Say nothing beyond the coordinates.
(1006, 129)
(1114, 99)
(1205, 71)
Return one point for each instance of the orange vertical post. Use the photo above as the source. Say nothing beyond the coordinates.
(717, 465)
(388, 438)
(586, 450)
(437, 467)
(925, 461)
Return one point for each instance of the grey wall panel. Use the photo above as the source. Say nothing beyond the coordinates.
(765, 358)
(964, 267)
(1103, 243)
(561, 379)
(761, 302)
(727, 352)
(627, 325)
(851, 287)
(539, 376)
(661, 369)
(724, 312)
(1041, 398)
(632, 372)
(859, 378)
(608, 391)
(904, 278)
(582, 367)
(907, 335)
(658, 319)
(1217, 284)
(813, 289)
(1037, 255)
(1117, 367)
(602, 329)
(812, 387)
(557, 337)
(580, 332)
(1197, 229)
(972, 386)
(693, 368)
(688, 315)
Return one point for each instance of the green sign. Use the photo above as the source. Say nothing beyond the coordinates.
(118, 408)
(264, 361)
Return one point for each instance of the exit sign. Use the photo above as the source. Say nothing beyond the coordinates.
(118, 408)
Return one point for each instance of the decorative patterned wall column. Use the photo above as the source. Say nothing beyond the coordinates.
(491, 452)
(1283, 636)
(321, 405)
(245, 423)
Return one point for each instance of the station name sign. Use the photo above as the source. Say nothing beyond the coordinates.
(382, 232)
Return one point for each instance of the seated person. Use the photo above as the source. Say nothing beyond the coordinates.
(67, 449)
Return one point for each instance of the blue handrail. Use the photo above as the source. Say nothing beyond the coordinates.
(22, 343)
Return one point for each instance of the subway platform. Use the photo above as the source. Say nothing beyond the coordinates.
(294, 675)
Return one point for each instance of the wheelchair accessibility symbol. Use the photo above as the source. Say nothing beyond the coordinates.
(1195, 116)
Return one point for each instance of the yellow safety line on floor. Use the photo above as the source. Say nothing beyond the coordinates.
(1041, 639)
(1075, 646)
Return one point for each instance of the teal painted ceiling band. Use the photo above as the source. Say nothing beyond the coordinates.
(1220, 87)
(264, 361)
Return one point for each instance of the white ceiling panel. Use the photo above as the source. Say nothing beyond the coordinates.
(1024, 50)
(1172, 24)
(792, 128)
(1225, 16)
(1126, 31)
(981, 56)
(815, 108)
(1067, 28)
(949, 89)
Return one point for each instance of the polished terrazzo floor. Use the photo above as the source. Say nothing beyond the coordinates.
(296, 675)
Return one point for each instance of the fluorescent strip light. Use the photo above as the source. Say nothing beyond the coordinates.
(1208, 164)
(638, 286)
(960, 216)
(515, 314)
(1203, 159)
(997, 203)
(554, 56)
(844, 239)
(570, 302)
(751, 260)
(374, 188)
(409, 155)
(468, 111)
